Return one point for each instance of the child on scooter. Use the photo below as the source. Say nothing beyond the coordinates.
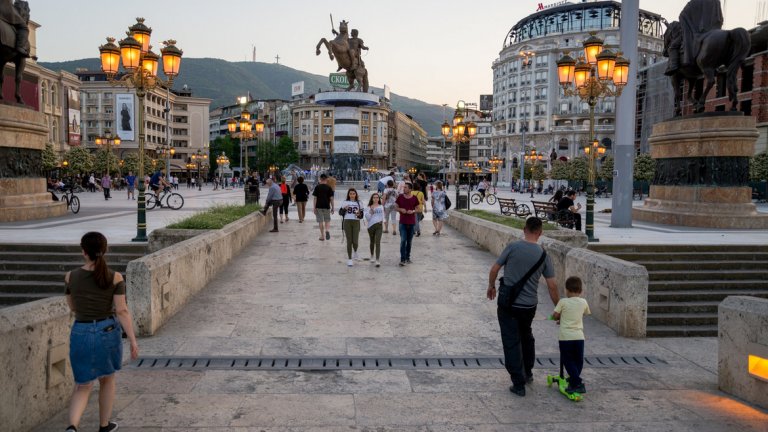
(570, 312)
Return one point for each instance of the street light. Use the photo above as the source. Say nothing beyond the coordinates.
(109, 141)
(459, 133)
(603, 74)
(534, 158)
(199, 158)
(140, 72)
(495, 163)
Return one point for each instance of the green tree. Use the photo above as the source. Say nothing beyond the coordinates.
(645, 167)
(101, 157)
(49, 158)
(80, 160)
(285, 152)
(131, 163)
(758, 167)
(606, 168)
(579, 169)
(538, 171)
(230, 147)
(560, 170)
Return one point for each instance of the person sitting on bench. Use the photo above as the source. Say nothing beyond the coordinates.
(570, 209)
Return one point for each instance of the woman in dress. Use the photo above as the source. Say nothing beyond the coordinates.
(96, 295)
(374, 214)
(439, 213)
(353, 212)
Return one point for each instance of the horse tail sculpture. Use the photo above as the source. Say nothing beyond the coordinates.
(741, 45)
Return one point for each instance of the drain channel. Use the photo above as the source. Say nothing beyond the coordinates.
(372, 363)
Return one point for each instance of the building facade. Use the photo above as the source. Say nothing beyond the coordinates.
(526, 91)
(410, 142)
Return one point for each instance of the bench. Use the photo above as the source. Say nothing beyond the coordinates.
(509, 207)
(547, 211)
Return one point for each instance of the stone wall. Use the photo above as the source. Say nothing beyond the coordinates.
(164, 237)
(742, 330)
(161, 283)
(36, 378)
(617, 291)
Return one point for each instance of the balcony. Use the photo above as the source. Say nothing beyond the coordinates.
(366, 151)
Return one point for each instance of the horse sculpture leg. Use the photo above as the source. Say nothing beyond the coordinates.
(323, 41)
(20, 63)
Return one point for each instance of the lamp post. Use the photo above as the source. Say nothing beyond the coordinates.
(599, 74)
(199, 158)
(109, 141)
(140, 72)
(459, 133)
(534, 158)
(495, 163)
(247, 131)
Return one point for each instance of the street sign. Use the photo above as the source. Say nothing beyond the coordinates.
(338, 80)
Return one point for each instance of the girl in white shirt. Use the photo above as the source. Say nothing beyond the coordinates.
(374, 214)
(351, 224)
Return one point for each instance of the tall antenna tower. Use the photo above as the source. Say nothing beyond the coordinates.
(254, 53)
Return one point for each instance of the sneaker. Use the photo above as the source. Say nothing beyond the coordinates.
(577, 389)
(378, 264)
(110, 427)
(71, 428)
(418, 234)
(394, 233)
(350, 263)
(402, 264)
(327, 235)
(520, 391)
(529, 379)
(355, 256)
(408, 261)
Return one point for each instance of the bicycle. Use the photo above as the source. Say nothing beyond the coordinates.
(477, 197)
(73, 202)
(173, 200)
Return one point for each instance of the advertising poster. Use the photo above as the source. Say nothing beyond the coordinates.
(486, 102)
(73, 117)
(125, 116)
(297, 88)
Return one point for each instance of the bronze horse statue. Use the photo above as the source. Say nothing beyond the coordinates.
(339, 49)
(717, 48)
(8, 51)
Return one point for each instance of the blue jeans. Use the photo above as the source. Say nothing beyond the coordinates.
(572, 357)
(406, 238)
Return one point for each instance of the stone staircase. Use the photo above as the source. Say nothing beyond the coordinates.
(31, 272)
(687, 282)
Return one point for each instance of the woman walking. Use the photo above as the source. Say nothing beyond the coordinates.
(301, 196)
(439, 212)
(374, 214)
(390, 214)
(96, 295)
(421, 208)
(353, 212)
(285, 190)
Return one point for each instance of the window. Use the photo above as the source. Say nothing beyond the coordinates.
(54, 95)
(303, 129)
(316, 114)
(365, 130)
(365, 116)
(303, 144)
(44, 93)
(316, 129)
(327, 130)
(747, 78)
(365, 145)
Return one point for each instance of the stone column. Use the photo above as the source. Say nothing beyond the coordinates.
(23, 196)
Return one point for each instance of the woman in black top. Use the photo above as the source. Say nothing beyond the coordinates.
(96, 295)
(301, 196)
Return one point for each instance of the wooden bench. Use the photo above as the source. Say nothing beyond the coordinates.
(547, 211)
(509, 207)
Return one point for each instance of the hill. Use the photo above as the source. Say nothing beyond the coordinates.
(223, 81)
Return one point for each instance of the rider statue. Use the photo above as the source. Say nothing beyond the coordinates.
(10, 15)
(356, 45)
(697, 18)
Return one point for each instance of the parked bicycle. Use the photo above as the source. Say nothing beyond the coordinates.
(477, 197)
(73, 202)
(169, 199)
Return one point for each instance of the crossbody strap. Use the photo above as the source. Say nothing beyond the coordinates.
(535, 267)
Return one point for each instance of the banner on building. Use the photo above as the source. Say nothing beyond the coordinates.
(73, 117)
(125, 116)
(338, 80)
(386, 92)
(486, 102)
(297, 88)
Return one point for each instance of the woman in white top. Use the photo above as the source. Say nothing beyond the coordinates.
(388, 200)
(374, 214)
(353, 212)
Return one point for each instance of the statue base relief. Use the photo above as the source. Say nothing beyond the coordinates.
(23, 194)
(702, 173)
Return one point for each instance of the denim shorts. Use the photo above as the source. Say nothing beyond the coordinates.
(95, 349)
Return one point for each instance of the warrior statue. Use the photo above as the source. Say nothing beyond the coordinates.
(14, 39)
(346, 51)
(697, 48)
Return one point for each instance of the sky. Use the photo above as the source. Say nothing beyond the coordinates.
(439, 51)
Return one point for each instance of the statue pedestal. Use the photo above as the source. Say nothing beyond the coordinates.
(23, 195)
(702, 173)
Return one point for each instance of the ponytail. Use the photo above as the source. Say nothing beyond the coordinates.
(94, 245)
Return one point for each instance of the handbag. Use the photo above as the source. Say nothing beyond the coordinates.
(447, 202)
(509, 293)
(342, 211)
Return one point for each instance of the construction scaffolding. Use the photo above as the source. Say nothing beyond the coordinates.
(655, 102)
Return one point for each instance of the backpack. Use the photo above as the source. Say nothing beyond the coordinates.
(447, 201)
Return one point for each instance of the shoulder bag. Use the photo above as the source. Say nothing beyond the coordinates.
(509, 293)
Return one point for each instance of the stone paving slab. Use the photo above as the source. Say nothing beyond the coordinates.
(289, 294)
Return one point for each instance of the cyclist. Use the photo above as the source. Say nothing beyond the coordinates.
(158, 183)
(482, 187)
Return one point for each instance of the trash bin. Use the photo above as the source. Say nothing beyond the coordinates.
(463, 203)
(251, 194)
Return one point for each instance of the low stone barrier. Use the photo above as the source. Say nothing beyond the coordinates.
(161, 283)
(36, 377)
(742, 339)
(616, 290)
(165, 237)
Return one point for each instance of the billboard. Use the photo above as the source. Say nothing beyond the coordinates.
(125, 116)
(73, 117)
(338, 80)
(297, 88)
(486, 102)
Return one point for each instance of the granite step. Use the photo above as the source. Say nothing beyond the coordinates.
(611, 249)
(56, 266)
(681, 307)
(702, 265)
(12, 299)
(706, 285)
(33, 286)
(708, 295)
(661, 256)
(118, 257)
(708, 275)
(681, 331)
(682, 319)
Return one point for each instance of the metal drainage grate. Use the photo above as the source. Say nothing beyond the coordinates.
(372, 363)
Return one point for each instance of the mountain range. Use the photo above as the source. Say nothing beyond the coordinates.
(223, 81)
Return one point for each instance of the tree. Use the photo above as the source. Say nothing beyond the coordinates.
(758, 167)
(100, 161)
(606, 168)
(49, 158)
(645, 167)
(560, 170)
(131, 163)
(579, 169)
(285, 152)
(538, 172)
(80, 160)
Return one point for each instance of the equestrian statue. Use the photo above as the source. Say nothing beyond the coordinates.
(346, 51)
(14, 40)
(698, 48)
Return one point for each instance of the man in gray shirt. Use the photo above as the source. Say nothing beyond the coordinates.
(515, 320)
(274, 199)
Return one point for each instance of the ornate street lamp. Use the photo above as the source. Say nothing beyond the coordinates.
(199, 158)
(534, 158)
(459, 133)
(140, 65)
(600, 74)
(495, 163)
(109, 141)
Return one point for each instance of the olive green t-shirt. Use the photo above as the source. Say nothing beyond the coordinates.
(90, 301)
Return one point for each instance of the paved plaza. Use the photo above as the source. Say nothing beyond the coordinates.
(288, 294)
